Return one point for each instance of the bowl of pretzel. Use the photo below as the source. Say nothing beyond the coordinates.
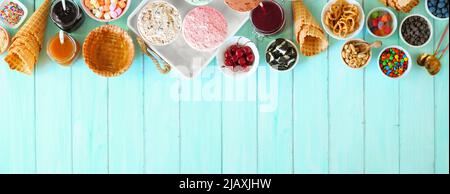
(343, 19)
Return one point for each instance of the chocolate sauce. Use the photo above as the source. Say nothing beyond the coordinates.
(68, 20)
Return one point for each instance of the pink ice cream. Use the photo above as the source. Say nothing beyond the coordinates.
(205, 28)
(243, 5)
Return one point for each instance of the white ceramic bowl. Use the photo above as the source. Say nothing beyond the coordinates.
(24, 17)
(220, 57)
(431, 14)
(330, 32)
(429, 24)
(142, 33)
(7, 40)
(183, 30)
(368, 60)
(296, 60)
(394, 21)
(91, 15)
(409, 62)
(200, 3)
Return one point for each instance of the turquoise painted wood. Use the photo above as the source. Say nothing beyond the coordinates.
(89, 115)
(382, 112)
(311, 97)
(320, 118)
(346, 90)
(162, 123)
(200, 123)
(53, 102)
(417, 129)
(441, 109)
(17, 102)
(275, 129)
(126, 132)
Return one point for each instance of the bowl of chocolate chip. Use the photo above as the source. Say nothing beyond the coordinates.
(416, 31)
(282, 55)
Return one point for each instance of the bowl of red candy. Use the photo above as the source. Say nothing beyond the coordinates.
(238, 57)
(381, 22)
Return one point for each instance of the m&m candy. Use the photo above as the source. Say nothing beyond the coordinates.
(394, 62)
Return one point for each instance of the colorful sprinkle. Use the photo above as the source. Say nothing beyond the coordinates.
(393, 62)
(11, 13)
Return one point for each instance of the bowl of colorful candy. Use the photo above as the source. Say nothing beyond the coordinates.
(381, 22)
(13, 13)
(105, 10)
(238, 57)
(438, 9)
(394, 62)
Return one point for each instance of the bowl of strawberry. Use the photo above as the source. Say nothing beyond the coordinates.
(238, 57)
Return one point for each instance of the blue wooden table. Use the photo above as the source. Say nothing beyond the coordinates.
(320, 118)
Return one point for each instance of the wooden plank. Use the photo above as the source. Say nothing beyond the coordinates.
(53, 112)
(162, 125)
(17, 130)
(417, 113)
(382, 110)
(441, 111)
(311, 108)
(346, 87)
(125, 115)
(239, 120)
(89, 113)
(200, 122)
(275, 146)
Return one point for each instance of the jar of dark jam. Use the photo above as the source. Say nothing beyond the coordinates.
(68, 20)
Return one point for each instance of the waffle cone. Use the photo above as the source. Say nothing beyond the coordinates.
(28, 37)
(25, 55)
(407, 5)
(401, 5)
(15, 63)
(37, 23)
(27, 43)
(108, 51)
(310, 36)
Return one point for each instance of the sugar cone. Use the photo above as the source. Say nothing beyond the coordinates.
(310, 36)
(15, 63)
(25, 54)
(407, 5)
(37, 23)
(27, 43)
(401, 5)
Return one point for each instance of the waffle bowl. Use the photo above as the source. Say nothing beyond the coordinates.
(108, 51)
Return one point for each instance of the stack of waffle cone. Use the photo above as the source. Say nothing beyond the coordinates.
(27, 43)
(401, 5)
(310, 36)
